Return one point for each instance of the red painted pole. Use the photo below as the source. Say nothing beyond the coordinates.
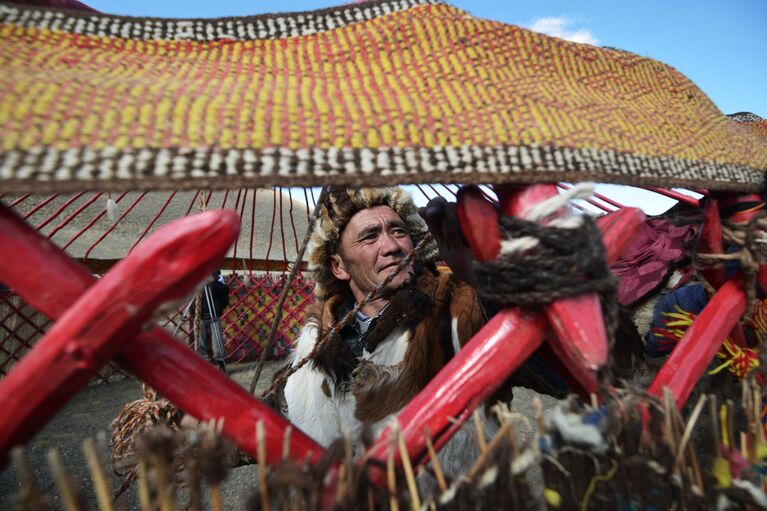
(692, 201)
(493, 354)
(50, 281)
(470, 377)
(87, 336)
(700, 343)
(710, 242)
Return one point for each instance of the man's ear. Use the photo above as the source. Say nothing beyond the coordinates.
(338, 268)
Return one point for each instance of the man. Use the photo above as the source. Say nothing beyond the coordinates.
(396, 343)
(214, 299)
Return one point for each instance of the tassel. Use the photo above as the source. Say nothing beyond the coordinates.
(113, 210)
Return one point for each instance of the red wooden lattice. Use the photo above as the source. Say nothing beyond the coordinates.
(465, 382)
(21, 326)
(68, 356)
(245, 323)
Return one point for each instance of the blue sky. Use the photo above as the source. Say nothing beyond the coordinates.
(720, 45)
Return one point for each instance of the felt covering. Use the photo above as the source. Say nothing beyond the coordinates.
(382, 92)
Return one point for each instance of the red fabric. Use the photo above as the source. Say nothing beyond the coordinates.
(649, 259)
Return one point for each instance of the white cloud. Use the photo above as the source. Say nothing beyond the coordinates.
(560, 27)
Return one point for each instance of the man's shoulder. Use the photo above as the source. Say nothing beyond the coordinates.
(446, 283)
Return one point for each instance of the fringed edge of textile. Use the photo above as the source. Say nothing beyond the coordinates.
(46, 170)
(238, 28)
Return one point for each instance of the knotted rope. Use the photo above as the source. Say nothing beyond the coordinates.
(286, 288)
(543, 262)
(751, 240)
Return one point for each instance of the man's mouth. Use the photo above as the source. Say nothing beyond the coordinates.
(390, 265)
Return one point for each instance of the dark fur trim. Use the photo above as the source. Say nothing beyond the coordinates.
(325, 388)
(334, 358)
(406, 307)
(425, 356)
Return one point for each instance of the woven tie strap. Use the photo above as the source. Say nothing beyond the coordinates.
(565, 262)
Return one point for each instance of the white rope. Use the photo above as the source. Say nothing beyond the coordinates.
(541, 211)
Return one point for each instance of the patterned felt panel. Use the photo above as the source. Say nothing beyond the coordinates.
(752, 122)
(381, 92)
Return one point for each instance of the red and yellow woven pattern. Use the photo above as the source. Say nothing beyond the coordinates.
(380, 92)
(752, 123)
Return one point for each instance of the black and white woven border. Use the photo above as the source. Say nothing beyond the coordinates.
(47, 169)
(745, 117)
(268, 26)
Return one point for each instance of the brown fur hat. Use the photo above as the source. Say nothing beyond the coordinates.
(340, 206)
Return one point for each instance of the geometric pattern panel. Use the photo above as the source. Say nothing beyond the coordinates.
(247, 319)
(382, 92)
(252, 306)
(245, 324)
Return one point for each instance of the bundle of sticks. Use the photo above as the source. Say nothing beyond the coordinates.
(629, 452)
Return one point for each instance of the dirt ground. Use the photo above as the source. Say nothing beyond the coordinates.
(92, 411)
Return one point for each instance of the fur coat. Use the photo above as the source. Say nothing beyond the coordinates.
(423, 326)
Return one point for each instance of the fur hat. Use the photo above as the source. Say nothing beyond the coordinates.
(339, 207)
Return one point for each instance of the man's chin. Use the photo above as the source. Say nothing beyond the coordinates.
(401, 280)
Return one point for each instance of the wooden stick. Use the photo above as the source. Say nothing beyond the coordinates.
(215, 497)
(415, 498)
(100, 483)
(715, 432)
(262, 484)
(193, 483)
(341, 484)
(503, 414)
(165, 482)
(30, 497)
(286, 443)
(688, 429)
(483, 457)
(143, 487)
(391, 479)
(480, 431)
(696, 468)
(438, 474)
(63, 482)
(668, 419)
(743, 444)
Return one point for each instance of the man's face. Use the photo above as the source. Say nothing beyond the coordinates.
(374, 241)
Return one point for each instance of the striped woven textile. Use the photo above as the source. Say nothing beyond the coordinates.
(383, 92)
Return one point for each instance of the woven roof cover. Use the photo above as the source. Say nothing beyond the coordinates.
(383, 92)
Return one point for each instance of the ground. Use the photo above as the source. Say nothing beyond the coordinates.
(92, 411)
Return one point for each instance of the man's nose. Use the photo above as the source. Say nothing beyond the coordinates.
(390, 245)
